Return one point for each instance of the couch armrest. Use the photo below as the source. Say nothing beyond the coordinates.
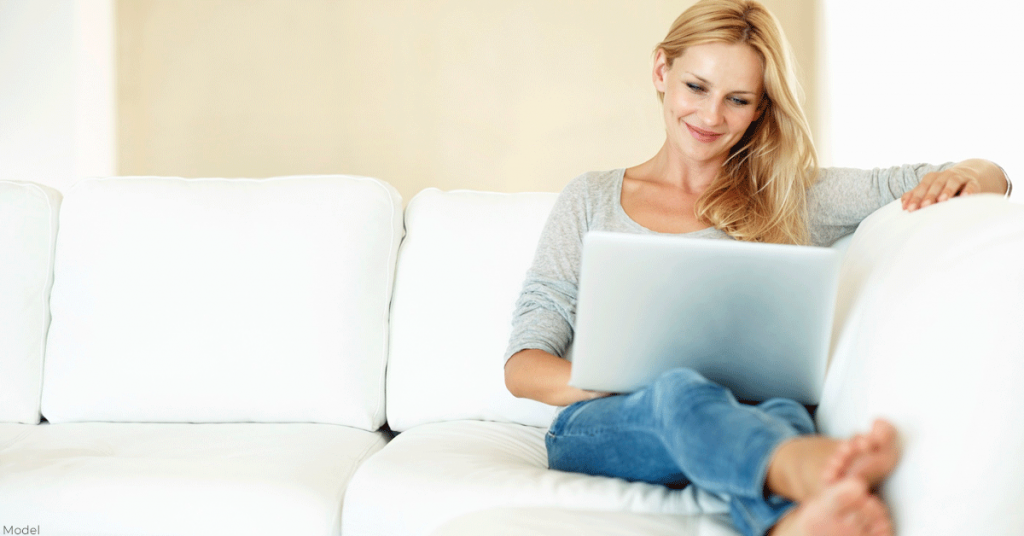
(928, 334)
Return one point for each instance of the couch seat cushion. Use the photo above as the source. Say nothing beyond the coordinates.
(178, 479)
(436, 472)
(559, 522)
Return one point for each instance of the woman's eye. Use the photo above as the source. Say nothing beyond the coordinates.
(740, 102)
(696, 88)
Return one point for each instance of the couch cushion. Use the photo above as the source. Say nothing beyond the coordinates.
(929, 336)
(28, 229)
(437, 472)
(460, 271)
(222, 300)
(540, 521)
(179, 479)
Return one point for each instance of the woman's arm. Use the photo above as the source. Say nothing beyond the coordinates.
(540, 376)
(968, 177)
(542, 322)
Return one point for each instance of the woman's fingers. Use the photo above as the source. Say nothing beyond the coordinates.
(940, 186)
(912, 200)
(937, 188)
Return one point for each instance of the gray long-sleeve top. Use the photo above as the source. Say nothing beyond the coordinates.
(545, 313)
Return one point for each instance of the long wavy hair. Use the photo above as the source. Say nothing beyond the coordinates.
(760, 193)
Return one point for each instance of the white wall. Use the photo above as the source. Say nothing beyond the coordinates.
(485, 95)
(56, 90)
(897, 82)
(95, 93)
(921, 81)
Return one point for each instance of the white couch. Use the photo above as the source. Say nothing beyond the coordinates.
(220, 356)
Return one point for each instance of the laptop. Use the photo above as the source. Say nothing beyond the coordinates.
(756, 318)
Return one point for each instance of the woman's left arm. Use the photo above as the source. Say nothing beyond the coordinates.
(968, 177)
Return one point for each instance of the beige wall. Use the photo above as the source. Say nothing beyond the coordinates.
(488, 95)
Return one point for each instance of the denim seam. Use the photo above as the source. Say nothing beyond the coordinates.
(593, 431)
(730, 489)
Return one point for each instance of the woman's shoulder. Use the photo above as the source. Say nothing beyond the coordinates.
(595, 186)
(589, 199)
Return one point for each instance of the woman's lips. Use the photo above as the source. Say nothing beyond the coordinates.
(702, 135)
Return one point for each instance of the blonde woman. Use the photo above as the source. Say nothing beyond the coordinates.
(737, 163)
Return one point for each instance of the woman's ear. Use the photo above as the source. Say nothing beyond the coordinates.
(660, 71)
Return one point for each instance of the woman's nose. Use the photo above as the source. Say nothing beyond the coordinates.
(712, 113)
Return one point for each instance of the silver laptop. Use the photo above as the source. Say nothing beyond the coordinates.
(755, 318)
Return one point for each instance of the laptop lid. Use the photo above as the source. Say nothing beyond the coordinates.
(755, 318)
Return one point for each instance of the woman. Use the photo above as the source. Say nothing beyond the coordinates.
(737, 162)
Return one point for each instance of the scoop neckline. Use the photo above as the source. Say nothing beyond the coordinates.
(620, 176)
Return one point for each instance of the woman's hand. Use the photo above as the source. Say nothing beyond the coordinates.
(540, 376)
(966, 178)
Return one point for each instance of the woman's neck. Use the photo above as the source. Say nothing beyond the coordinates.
(667, 167)
(662, 195)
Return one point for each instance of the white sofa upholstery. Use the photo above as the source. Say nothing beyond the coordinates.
(930, 334)
(215, 364)
(222, 301)
(176, 478)
(216, 358)
(28, 231)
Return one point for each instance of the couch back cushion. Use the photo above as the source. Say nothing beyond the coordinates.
(222, 300)
(28, 229)
(928, 335)
(460, 271)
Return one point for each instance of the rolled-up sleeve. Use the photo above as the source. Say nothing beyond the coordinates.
(545, 312)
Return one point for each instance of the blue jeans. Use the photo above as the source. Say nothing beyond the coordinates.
(683, 429)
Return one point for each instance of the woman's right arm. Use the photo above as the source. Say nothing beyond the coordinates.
(542, 323)
(540, 376)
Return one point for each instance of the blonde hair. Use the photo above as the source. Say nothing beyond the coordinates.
(760, 194)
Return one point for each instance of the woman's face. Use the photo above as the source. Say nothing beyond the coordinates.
(712, 94)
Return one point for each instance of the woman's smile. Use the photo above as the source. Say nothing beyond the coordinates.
(702, 135)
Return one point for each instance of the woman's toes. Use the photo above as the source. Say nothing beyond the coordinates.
(838, 463)
(881, 523)
(872, 456)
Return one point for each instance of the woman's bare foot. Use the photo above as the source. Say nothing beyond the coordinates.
(844, 508)
(871, 456)
(802, 467)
